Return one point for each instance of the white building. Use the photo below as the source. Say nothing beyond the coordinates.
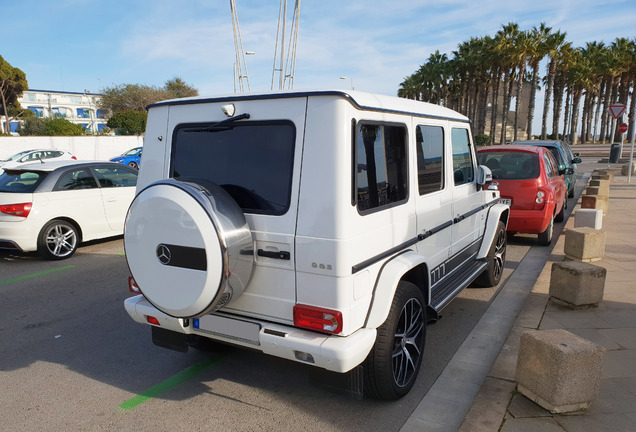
(76, 107)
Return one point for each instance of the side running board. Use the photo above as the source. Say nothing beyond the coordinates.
(447, 289)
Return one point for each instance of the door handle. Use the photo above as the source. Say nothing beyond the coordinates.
(284, 255)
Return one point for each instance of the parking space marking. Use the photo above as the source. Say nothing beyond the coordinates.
(174, 380)
(42, 273)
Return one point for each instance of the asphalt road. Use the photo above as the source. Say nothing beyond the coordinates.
(72, 359)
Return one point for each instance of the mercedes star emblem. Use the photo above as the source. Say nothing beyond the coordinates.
(163, 254)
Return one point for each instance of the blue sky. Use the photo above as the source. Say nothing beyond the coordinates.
(74, 45)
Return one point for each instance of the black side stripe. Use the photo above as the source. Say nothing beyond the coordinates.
(369, 262)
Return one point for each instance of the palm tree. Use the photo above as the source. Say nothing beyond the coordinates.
(505, 49)
(553, 44)
(538, 49)
(521, 53)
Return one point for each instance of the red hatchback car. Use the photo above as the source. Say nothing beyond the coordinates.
(531, 184)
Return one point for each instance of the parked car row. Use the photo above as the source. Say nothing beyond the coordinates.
(535, 178)
(50, 202)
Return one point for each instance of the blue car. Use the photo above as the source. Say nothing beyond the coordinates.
(132, 158)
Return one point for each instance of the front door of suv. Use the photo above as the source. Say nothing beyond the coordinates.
(468, 217)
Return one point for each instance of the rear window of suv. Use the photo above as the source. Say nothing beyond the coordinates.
(252, 161)
(20, 181)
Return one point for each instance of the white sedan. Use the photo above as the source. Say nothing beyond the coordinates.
(53, 206)
(31, 156)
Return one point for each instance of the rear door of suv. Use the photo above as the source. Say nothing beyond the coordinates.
(257, 161)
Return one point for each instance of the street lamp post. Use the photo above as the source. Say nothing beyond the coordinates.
(351, 78)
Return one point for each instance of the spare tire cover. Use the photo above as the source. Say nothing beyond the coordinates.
(188, 246)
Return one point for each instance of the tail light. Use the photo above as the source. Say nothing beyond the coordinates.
(540, 199)
(318, 319)
(132, 286)
(20, 210)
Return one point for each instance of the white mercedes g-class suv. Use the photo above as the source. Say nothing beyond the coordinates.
(322, 227)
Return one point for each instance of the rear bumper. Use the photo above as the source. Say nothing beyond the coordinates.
(530, 221)
(334, 353)
(18, 236)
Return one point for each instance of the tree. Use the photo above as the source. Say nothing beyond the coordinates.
(12, 83)
(538, 49)
(136, 97)
(129, 122)
(61, 127)
(33, 126)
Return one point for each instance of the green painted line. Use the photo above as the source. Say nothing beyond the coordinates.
(35, 274)
(174, 380)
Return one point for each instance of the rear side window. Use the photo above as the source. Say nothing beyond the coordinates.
(463, 170)
(76, 179)
(381, 166)
(252, 161)
(558, 156)
(430, 158)
(550, 165)
(20, 181)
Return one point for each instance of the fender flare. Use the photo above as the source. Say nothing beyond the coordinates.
(386, 284)
(496, 213)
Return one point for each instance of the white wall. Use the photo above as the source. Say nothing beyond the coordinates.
(83, 147)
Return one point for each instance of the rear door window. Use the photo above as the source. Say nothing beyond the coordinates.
(430, 158)
(381, 166)
(252, 161)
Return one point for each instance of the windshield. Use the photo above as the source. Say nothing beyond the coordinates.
(510, 165)
(17, 156)
(132, 151)
(252, 161)
(20, 181)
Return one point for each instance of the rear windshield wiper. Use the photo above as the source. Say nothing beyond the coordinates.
(222, 125)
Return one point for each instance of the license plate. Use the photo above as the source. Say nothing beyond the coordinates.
(506, 201)
(228, 328)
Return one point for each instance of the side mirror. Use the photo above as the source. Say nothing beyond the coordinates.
(577, 154)
(577, 160)
(484, 175)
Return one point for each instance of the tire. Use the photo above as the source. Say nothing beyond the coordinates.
(134, 165)
(58, 240)
(561, 216)
(545, 238)
(392, 366)
(496, 260)
(571, 192)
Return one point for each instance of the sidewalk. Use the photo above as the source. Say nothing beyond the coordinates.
(498, 407)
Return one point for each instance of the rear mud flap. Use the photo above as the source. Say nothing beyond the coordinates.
(350, 383)
(169, 339)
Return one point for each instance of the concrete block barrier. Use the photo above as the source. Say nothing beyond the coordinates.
(576, 284)
(625, 169)
(585, 244)
(592, 218)
(559, 370)
(594, 190)
(595, 202)
(604, 174)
